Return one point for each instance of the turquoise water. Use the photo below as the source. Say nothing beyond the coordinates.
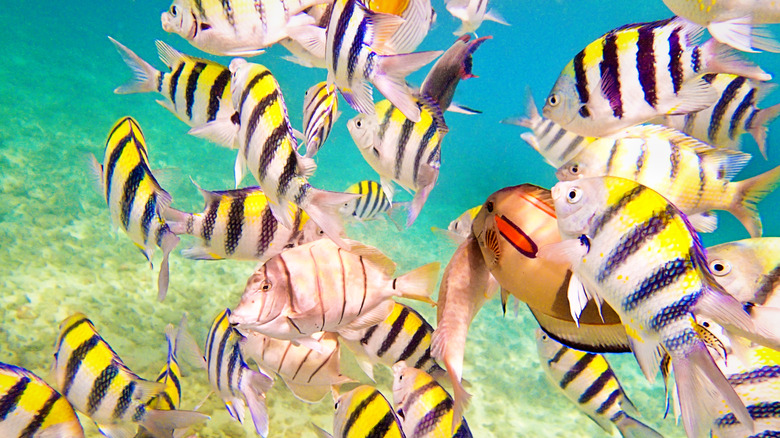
(61, 254)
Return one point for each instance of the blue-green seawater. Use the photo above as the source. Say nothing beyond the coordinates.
(60, 253)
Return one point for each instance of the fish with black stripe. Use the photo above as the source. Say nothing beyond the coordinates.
(359, 53)
(629, 247)
(239, 225)
(372, 201)
(196, 90)
(637, 72)
(403, 335)
(423, 406)
(320, 111)
(30, 408)
(96, 381)
(230, 377)
(268, 147)
(401, 150)
(733, 114)
(134, 197)
(589, 382)
(363, 413)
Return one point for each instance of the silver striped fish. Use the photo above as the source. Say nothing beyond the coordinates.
(372, 201)
(363, 413)
(637, 72)
(230, 377)
(472, 13)
(239, 224)
(320, 111)
(589, 382)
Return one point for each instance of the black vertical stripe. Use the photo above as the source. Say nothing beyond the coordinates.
(223, 340)
(382, 428)
(558, 354)
(610, 74)
(673, 312)
(358, 411)
(406, 131)
(674, 158)
(234, 365)
(215, 94)
(580, 78)
(289, 172)
(412, 397)
(768, 284)
(596, 387)
(341, 29)
(600, 221)
(392, 335)
(571, 147)
(613, 397)
(113, 159)
(235, 223)
(645, 64)
(558, 136)
(210, 220)
(746, 103)
(364, 200)
(414, 343)
(11, 398)
(343, 286)
(575, 370)
(659, 279)
(426, 356)
(100, 387)
(149, 213)
(40, 416)
(129, 191)
(720, 107)
(257, 114)
(547, 129)
(355, 48)
(423, 145)
(385, 121)
(74, 362)
(612, 153)
(675, 60)
(249, 85)
(367, 335)
(174, 83)
(432, 418)
(269, 224)
(192, 86)
(270, 146)
(70, 328)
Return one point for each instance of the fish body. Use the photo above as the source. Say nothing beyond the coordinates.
(402, 151)
(461, 226)
(308, 373)
(372, 202)
(234, 27)
(423, 406)
(268, 147)
(733, 114)
(602, 91)
(418, 17)
(358, 53)
(447, 72)
(230, 377)
(472, 13)
(239, 224)
(320, 110)
(364, 413)
(134, 197)
(32, 408)
(319, 286)
(693, 176)
(196, 90)
(97, 382)
(589, 382)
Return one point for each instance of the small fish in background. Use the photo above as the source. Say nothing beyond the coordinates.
(737, 23)
(235, 27)
(359, 54)
(418, 17)
(403, 335)
(363, 413)
(460, 228)
(269, 149)
(135, 199)
(603, 89)
(239, 225)
(299, 53)
(472, 13)
(310, 375)
(372, 202)
(693, 176)
(196, 90)
(631, 248)
(320, 111)
(423, 406)
(734, 113)
(589, 382)
(96, 381)
(238, 385)
(319, 286)
(32, 408)
(402, 151)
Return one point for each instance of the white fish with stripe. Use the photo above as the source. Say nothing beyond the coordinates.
(320, 111)
(472, 13)
(372, 202)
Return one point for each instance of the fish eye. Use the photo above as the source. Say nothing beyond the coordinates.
(489, 206)
(174, 10)
(358, 123)
(720, 267)
(265, 286)
(553, 100)
(544, 336)
(574, 195)
(336, 406)
(574, 169)
(705, 324)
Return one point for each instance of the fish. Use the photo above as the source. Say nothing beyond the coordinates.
(196, 90)
(320, 111)
(239, 224)
(693, 176)
(235, 27)
(631, 248)
(309, 374)
(372, 202)
(734, 113)
(588, 381)
(230, 377)
(736, 23)
(403, 335)
(32, 408)
(472, 13)
(418, 15)
(268, 147)
(135, 199)
(447, 72)
(598, 92)
(319, 286)
(460, 228)
(401, 150)
(423, 406)
(363, 413)
(358, 54)
(95, 380)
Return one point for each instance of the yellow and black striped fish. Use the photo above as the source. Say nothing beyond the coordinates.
(589, 382)
(238, 224)
(196, 90)
(364, 413)
(372, 201)
(30, 408)
(134, 197)
(96, 382)
(320, 111)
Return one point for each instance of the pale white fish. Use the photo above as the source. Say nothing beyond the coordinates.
(472, 13)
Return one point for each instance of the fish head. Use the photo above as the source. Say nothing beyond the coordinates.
(310, 232)
(562, 105)
(747, 269)
(266, 300)
(462, 225)
(179, 20)
(239, 75)
(570, 171)
(404, 378)
(364, 130)
(545, 345)
(576, 203)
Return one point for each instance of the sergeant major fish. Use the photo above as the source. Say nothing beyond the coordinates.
(372, 201)
(320, 111)
(363, 413)
(96, 382)
(472, 13)
(134, 197)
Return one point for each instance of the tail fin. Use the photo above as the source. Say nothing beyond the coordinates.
(758, 126)
(743, 35)
(390, 79)
(144, 75)
(724, 59)
(440, 351)
(418, 202)
(162, 424)
(630, 427)
(169, 242)
(420, 283)
(751, 192)
(177, 220)
(324, 211)
(254, 391)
